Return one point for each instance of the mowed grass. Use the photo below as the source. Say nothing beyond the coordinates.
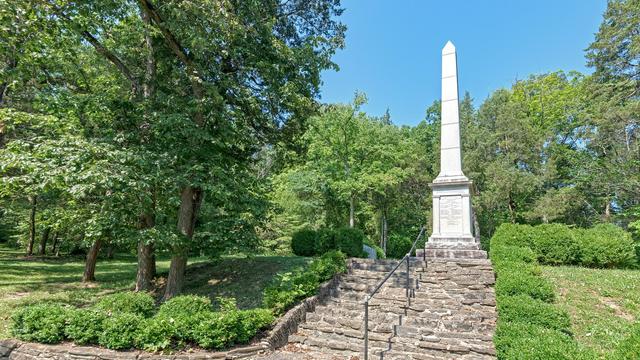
(603, 303)
(27, 281)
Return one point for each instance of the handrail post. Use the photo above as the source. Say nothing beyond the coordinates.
(407, 284)
(366, 328)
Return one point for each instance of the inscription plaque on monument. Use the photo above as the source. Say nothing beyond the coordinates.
(451, 214)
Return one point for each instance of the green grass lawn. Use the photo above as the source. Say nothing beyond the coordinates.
(603, 304)
(26, 281)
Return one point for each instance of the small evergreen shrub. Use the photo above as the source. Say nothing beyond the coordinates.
(508, 253)
(524, 283)
(379, 252)
(42, 323)
(509, 234)
(303, 242)
(350, 241)
(398, 246)
(84, 325)
(606, 246)
(555, 244)
(325, 241)
(139, 303)
(526, 310)
(120, 330)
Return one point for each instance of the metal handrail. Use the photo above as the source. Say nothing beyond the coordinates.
(375, 290)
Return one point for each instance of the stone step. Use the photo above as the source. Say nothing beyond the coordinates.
(455, 254)
(453, 245)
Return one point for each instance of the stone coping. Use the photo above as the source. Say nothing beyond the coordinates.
(277, 337)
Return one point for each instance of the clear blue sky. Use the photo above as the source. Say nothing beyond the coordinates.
(393, 48)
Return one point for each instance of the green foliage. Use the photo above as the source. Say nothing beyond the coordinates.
(526, 341)
(527, 310)
(291, 287)
(398, 246)
(157, 333)
(139, 303)
(217, 330)
(350, 241)
(325, 241)
(84, 325)
(523, 283)
(555, 244)
(303, 242)
(501, 254)
(120, 330)
(509, 234)
(607, 246)
(42, 323)
(185, 305)
(629, 348)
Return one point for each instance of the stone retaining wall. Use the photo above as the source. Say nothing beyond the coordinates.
(278, 336)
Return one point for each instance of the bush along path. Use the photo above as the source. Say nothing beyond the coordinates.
(450, 314)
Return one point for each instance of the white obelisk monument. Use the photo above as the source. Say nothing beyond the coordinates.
(452, 213)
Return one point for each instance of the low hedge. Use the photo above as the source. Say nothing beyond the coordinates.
(139, 303)
(529, 324)
(308, 242)
(291, 287)
(602, 246)
(303, 242)
(180, 321)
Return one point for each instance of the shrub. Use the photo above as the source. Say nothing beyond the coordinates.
(303, 242)
(120, 330)
(502, 254)
(555, 244)
(523, 283)
(525, 310)
(329, 264)
(84, 325)
(43, 323)
(157, 333)
(325, 241)
(139, 303)
(606, 245)
(379, 252)
(291, 287)
(350, 241)
(218, 330)
(185, 305)
(398, 246)
(512, 235)
(525, 341)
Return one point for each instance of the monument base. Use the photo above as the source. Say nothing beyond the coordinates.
(452, 237)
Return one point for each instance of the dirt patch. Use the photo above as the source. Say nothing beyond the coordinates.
(617, 309)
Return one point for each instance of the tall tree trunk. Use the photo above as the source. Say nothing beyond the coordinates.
(146, 257)
(352, 211)
(43, 241)
(512, 210)
(607, 211)
(90, 265)
(33, 200)
(385, 230)
(54, 248)
(190, 201)
(110, 251)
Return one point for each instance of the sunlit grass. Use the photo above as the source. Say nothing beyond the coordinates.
(603, 304)
(27, 281)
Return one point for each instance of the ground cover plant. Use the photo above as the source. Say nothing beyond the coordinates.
(181, 321)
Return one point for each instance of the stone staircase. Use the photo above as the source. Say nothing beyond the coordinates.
(449, 313)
